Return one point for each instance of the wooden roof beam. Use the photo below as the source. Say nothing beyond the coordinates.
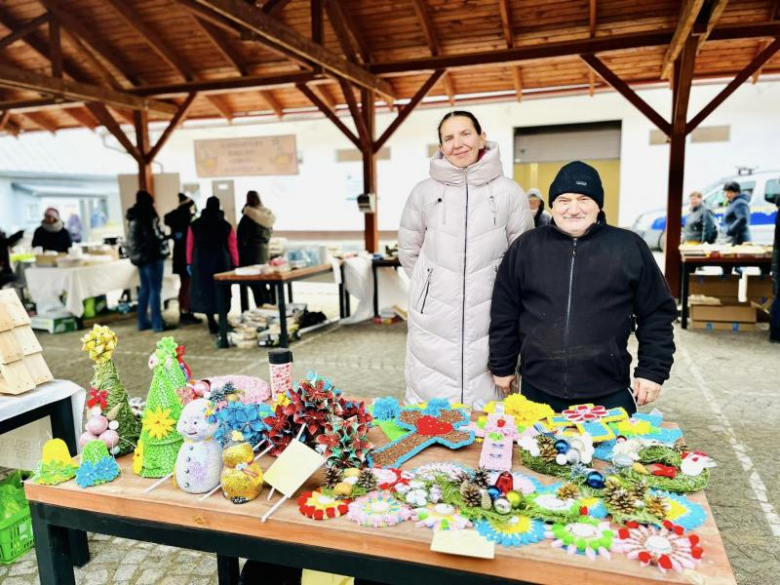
(106, 119)
(592, 18)
(8, 125)
(272, 102)
(338, 26)
(217, 86)
(19, 32)
(73, 25)
(761, 46)
(622, 88)
(751, 68)
(506, 23)
(354, 31)
(104, 71)
(407, 109)
(219, 105)
(74, 90)
(322, 93)
(222, 45)
(715, 11)
(55, 48)
(177, 119)
(83, 117)
(433, 44)
(42, 121)
(277, 33)
(310, 95)
(272, 6)
(357, 116)
(517, 77)
(682, 85)
(688, 16)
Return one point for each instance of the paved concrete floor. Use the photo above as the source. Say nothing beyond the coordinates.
(723, 393)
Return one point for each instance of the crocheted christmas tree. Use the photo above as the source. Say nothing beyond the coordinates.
(107, 389)
(160, 441)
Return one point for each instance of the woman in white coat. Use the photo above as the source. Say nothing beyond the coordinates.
(455, 229)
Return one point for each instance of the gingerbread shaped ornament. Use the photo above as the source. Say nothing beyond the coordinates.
(427, 427)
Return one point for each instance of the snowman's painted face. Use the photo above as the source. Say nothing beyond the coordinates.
(194, 424)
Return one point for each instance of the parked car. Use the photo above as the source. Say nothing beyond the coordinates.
(762, 187)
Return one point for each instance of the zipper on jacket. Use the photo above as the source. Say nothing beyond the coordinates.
(463, 307)
(568, 319)
(492, 201)
(425, 293)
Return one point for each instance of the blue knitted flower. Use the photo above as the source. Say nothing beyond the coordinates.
(246, 418)
(86, 476)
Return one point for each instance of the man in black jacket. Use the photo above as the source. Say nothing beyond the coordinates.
(566, 299)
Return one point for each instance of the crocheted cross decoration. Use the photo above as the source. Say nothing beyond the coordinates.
(499, 434)
(442, 427)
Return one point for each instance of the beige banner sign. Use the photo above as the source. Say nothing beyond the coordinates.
(245, 157)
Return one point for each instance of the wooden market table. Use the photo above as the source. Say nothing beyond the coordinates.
(689, 264)
(399, 555)
(377, 263)
(277, 280)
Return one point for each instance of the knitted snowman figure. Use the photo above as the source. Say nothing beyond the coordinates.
(199, 462)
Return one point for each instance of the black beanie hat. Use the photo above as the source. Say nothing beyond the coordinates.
(577, 177)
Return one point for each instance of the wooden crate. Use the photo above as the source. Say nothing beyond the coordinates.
(22, 366)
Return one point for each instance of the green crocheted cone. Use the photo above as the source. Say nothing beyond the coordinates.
(107, 378)
(161, 440)
(94, 451)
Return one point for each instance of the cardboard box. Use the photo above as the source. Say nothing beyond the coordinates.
(723, 326)
(759, 288)
(720, 286)
(54, 324)
(726, 313)
(48, 259)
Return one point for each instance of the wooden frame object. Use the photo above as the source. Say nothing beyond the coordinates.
(22, 366)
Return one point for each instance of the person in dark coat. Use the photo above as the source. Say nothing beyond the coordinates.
(536, 205)
(148, 248)
(774, 315)
(254, 234)
(566, 299)
(52, 235)
(700, 224)
(6, 243)
(179, 221)
(211, 249)
(737, 217)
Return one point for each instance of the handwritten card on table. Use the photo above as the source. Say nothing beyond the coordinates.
(467, 543)
(295, 465)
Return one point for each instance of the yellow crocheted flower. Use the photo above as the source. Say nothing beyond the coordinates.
(159, 423)
(138, 458)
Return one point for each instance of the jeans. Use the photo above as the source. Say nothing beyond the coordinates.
(149, 295)
(622, 398)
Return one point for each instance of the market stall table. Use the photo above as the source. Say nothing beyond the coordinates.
(62, 401)
(398, 555)
(689, 264)
(377, 263)
(277, 280)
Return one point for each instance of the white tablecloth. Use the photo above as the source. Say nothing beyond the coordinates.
(393, 287)
(21, 448)
(82, 282)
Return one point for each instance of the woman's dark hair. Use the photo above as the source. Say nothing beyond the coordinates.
(253, 199)
(464, 114)
(144, 198)
(212, 203)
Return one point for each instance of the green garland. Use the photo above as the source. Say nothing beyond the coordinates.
(532, 510)
(451, 495)
(539, 465)
(682, 484)
(660, 454)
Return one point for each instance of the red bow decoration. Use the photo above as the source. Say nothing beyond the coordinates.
(97, 397)
(664, 470)
(184, 367)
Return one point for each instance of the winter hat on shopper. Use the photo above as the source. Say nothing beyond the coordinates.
(578, 177)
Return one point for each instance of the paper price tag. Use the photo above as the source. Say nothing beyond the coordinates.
(467, 543)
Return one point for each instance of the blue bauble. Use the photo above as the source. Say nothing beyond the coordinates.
(494, 492)
(595, 480)
(561, 446)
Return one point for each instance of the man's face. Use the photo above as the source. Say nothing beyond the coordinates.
(534, 203)
(574, 213)
(695, 201)
(730, 195)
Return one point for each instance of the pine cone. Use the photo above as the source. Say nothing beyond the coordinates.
(367, 480)
(622, 502)
(639, 490)
(333, 476)
(547, 452)
(486, 503)
(656, 506)
(568, 491)
(481, 478)
(471, 494)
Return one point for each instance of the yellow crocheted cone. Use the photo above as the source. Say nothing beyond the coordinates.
(138, 458)
(100, 343)
(523, 410)
(55, 451)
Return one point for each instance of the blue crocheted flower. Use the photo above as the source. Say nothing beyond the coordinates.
(86, 476)
(106, 470)
(246, 418)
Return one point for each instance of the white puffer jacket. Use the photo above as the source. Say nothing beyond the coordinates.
(455, 229)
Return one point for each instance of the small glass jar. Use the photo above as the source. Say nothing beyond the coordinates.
(280, 363)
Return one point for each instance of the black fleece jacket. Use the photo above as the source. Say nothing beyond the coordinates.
(567, 306)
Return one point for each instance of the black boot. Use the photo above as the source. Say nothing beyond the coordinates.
(189, 319)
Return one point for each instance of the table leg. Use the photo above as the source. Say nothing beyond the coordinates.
(376, 291)
(52, 549)
(289, 292)
(684, 288)
(222, 306)
(227, 570)
(284, 341)
(244, 297)
(342, 292)
(347, 304)
(61, 415)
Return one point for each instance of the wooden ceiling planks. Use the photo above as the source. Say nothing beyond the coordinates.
(111, 51)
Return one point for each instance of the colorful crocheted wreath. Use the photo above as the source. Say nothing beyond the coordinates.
(441, 517)
(549, 507)
(318, 506)
(682, 511)
(453, 471)
(667, 547)
(418, 493)
(378, 510)
(586, 535)
(517, 531)
(426, 429)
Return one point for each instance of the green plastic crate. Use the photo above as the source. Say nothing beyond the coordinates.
(16, 536)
